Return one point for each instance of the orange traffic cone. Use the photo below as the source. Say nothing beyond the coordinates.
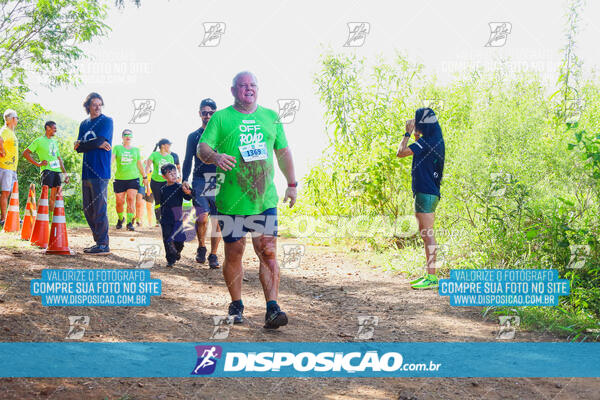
(59, 243)
(41, 230)
(12, 223)
(29, 217)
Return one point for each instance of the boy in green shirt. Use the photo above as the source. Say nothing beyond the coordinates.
(51, 164)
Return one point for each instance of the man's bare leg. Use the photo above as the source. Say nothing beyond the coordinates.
(201, 225)
(266, 250)
(265, 247)
(4, 203)
(426, 221)
(215, 236)
(52, 199)
(233, 273)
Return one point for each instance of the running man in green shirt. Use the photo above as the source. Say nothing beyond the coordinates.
(127, 177)
(51, 164)
(240, 140)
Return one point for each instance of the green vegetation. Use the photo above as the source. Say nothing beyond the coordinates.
(521, 183)
(522, 175)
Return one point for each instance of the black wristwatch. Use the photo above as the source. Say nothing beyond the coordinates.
(406, 134)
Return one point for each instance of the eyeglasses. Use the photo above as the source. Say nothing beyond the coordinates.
(250, 86)
(207, 113)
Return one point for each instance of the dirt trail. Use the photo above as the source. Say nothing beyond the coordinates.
(323, 298)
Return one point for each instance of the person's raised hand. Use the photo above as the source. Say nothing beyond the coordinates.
(290, 193)
(224, 161)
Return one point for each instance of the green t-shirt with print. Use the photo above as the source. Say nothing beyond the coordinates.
(126, 161)
(247, 189)
(158, 160)
(46, 149)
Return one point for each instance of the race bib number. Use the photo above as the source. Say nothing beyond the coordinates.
(54, 164)
(254, 152)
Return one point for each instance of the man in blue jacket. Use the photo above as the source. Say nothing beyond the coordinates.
(94, 141)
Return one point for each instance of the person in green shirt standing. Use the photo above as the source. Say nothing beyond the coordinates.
(156, 160)
(51, 164)
(240, 140)
(127, 177)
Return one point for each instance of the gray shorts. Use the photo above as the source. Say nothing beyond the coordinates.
(7, 178)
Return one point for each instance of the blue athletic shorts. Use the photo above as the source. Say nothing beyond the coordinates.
(203, 204)
(235, 227)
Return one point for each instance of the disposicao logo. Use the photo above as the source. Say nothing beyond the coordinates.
(207, 359)
(311, 362)
(306, 363)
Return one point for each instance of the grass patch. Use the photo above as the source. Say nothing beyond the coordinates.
(12, 240)
(559, 320)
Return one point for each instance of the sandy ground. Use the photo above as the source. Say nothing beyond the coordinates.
(323, 297)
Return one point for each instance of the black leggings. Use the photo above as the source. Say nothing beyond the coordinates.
(155, 187)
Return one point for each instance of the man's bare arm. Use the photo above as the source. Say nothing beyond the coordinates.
(209, 156)
(286, 165)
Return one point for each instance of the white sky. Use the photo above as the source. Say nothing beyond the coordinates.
(153, 53)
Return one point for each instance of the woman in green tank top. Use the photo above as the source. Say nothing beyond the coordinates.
(156, 160)
(129, 169)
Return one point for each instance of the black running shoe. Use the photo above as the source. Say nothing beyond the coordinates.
(236, 312)
(98, 250)
(201, 255)
(213, 261)
(120, 223)
(275, 318)
(170, 264)
(130, 227)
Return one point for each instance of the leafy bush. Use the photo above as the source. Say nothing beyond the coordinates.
(524, 197)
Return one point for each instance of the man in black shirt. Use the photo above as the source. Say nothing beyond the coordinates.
(206, 184)
(171, 209)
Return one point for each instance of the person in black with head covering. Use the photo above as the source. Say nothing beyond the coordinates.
(428, 153)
